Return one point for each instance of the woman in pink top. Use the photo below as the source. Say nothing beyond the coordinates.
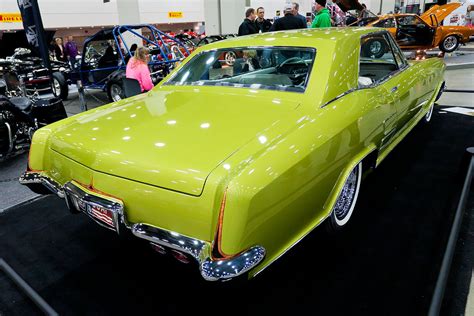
(137, 68)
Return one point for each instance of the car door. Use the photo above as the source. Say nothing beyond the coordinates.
(380, 74)
(409, 86)
(413, 31)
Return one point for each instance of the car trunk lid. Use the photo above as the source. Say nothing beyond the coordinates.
(170, 139)
(441, 12)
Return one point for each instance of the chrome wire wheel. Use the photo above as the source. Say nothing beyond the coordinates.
(346, 201)
(116, 92)
(450, 43)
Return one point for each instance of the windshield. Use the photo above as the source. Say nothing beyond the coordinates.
(274, 68)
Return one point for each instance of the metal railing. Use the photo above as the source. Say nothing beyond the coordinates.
(28, 290)
(441, 282)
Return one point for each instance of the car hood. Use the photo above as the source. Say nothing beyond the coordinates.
(170, 139)
(441, 12)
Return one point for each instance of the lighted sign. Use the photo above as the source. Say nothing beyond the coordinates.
(10, 17)
(175, 15)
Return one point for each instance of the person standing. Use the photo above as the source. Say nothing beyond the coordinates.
(59, 50)
(70, 51)
(263, 25)
(322, 18)
(296, 8)
(248, 25)
(288, 22)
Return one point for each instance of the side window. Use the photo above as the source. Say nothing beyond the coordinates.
(409, 20)
(377, 60)
(386, 23)
(399, 57)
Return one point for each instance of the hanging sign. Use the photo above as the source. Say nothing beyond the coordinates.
(34, 31)
(10, 17)
(175, 15)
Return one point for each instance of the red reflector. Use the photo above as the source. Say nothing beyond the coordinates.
(170, 56)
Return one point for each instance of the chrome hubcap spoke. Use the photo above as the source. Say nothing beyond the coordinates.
(450, 43)
(346, 198)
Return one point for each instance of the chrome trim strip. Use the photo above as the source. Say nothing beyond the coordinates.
(211, 269)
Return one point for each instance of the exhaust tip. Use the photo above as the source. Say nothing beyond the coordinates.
(158, 248)
(181, 257)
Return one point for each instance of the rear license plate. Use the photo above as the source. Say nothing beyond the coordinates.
(102, 215)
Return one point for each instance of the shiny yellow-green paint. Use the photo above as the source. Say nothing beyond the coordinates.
(283, 157)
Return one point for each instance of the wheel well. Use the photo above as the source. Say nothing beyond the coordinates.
(369, 162)
(459, 36)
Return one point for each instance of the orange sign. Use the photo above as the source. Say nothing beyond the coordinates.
(10, 17)
(175, 15)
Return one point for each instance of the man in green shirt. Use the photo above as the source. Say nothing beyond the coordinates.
(322, 18)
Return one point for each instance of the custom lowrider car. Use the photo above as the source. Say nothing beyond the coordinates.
(231, 166)
(423, 32)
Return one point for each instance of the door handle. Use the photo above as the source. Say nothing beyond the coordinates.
(394, 89)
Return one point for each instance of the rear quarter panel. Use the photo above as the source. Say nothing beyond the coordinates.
(462, 32)
(290, 185)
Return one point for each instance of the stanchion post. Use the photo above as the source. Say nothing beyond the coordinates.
(82, 95)
(438, 294)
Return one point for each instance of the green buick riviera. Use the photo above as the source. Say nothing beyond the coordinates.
(232, 161)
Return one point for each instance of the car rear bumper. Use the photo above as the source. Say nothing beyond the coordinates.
(81, 199)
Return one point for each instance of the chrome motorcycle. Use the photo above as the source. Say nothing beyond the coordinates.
(22, 111)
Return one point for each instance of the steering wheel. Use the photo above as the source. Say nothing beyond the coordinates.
(298, 60)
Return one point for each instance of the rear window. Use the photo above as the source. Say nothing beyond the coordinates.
(274, 68)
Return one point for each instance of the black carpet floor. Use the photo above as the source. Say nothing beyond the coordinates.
(385, 263)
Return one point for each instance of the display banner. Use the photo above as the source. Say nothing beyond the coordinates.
(175, 15)
(10, 17)
(34, 30)
(464, 15)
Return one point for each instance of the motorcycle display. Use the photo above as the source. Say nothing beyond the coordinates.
(22, 111)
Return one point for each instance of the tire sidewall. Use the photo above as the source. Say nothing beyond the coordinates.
(368, 52)
(59, 77)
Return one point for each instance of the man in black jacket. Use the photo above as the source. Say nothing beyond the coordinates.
(263, 25)
(288, 22)
(248, 25)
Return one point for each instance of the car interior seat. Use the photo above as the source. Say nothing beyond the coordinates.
(131, 87)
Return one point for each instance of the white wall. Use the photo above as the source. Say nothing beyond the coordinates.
(156, 11)
(374, 5)
(87, 13)
(232, 15)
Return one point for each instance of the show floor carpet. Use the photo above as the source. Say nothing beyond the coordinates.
(385, 262)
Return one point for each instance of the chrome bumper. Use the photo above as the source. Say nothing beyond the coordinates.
(30, 177)
(211, 269)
